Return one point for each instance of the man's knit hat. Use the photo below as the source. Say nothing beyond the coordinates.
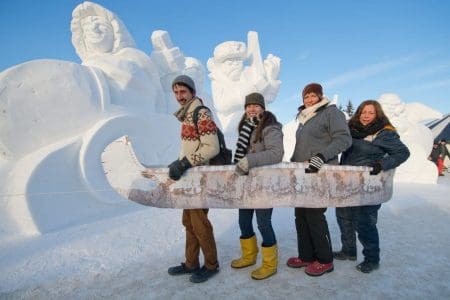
(313, 88)
(186, 81)
(255, 98)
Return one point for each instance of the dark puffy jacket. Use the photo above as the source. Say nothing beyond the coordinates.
(385, 147)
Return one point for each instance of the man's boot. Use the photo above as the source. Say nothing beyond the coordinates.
(249, 250)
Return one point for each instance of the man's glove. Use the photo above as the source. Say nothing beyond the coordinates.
(178, 167)
(242, 166)
(315, 163)
(376, 168)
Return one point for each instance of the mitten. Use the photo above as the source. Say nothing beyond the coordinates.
(376, 168)
(178, 167)
(315, 163)
(242, 166)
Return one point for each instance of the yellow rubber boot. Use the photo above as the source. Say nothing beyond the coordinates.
(249, 250)
(269, 263)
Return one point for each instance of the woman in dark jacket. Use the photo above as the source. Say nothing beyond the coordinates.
(376, 144)
(260, 143)
(321, 135)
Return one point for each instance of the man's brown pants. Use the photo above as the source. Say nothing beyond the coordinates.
(199, 234)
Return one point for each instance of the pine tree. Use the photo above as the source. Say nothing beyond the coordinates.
(349, 108)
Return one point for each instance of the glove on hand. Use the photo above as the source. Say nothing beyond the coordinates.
(315, 163)
(242, 166)
(376, 168)
(178, 167)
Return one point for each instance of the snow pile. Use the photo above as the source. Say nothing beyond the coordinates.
(127, 256)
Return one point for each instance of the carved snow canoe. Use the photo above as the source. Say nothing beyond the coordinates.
(281, 185)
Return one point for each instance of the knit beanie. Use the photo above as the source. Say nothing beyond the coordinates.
(255, 98)
(313, 88)
(186, 81)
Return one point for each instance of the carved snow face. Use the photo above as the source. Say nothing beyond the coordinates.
(368, 114)
(232, 67)
(98, 34)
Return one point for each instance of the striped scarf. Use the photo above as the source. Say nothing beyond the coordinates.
(244, 139)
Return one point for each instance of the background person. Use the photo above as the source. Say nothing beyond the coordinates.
(443, 152)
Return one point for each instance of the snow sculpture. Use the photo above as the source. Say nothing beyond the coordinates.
(195, 69)
(232, 80)
(171, 63)
(103, 43)
(57, 117)
(418, 138)
(421, 113)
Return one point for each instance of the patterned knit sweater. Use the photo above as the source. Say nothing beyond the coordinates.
(198, 147)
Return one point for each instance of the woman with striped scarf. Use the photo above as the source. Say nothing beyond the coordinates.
(260, 142)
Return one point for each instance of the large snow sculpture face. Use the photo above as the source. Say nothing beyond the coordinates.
(96, 30)
(98, 34)
(230, 56)
(393, 106)
(233, 68)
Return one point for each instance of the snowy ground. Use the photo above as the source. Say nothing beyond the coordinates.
(127, 257)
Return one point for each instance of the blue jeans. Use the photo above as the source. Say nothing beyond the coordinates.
(363, 220)
(347, 225)
(264, 220)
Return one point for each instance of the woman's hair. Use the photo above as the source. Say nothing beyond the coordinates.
(380, 115)
(267, 118)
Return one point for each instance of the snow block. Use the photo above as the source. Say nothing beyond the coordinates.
(280, 185)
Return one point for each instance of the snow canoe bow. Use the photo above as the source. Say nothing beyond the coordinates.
(281, 185)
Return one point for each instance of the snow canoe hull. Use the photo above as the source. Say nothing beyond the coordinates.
(280, 185)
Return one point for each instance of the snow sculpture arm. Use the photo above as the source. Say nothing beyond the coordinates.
(265, 73)
(168, 58)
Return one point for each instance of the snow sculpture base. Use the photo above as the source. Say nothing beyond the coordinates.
(280, 185)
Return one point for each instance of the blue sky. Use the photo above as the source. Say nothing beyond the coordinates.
(356, 49)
